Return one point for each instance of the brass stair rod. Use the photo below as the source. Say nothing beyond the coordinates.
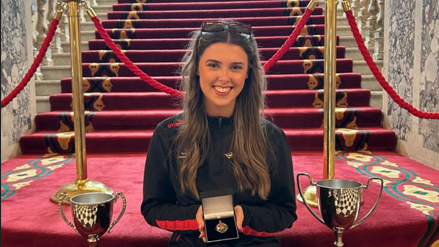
(77, 91)
(329, 89)
(310, 194)
(82, 183)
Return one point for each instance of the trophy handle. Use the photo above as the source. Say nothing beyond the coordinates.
(301, 194)
(376, 203)
(121, 212)
(61, 199)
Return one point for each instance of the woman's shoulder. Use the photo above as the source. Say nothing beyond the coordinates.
(170, 123)
(272, 129)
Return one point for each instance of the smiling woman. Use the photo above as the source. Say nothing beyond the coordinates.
(222, 71)
(221, 141)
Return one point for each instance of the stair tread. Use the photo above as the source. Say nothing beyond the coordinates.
(149, 132)
(255, 28)
(197, 11)
(163, 94)
(165, 111)
(197, 5)
(179, 63)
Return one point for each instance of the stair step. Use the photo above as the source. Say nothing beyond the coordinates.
(204, 5)
(213, 13)
(159, 100)
(196, 22)
(105, 56)
(360, 66)
(66, 46)
(102, 10)
(183, 32)
(47, 87)
(275, 82)
(181, 43)
(350, 52)
(342, 22)
(121, 141)
(43, 104)
(344, 65)
(131, 119)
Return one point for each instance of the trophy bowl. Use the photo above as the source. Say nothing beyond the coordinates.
(339, 203)
(92, 213)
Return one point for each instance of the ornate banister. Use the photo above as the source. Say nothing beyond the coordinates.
(379, 33)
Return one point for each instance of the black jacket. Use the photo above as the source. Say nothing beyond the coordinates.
(166, 207)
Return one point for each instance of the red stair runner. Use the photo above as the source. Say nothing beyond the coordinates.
(122, 110)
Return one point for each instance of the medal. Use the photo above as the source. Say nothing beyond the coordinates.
(221, 227)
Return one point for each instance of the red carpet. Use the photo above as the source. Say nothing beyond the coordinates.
(407, 214)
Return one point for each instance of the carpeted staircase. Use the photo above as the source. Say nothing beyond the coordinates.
(122, 110)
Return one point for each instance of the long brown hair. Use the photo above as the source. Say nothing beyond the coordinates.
(249, 142)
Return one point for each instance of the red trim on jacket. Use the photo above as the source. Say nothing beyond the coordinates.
(247, 230)
(178, 225)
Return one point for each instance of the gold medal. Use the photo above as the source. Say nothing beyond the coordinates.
(221, 227)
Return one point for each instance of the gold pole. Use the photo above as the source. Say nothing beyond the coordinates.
(82, 184)
(310, 193)
(329, 90)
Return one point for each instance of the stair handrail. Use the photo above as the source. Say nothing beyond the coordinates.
(36, 63)
(377, 73)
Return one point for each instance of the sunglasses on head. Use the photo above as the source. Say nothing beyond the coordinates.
(217, 26)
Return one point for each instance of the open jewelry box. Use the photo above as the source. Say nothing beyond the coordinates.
(219, 216)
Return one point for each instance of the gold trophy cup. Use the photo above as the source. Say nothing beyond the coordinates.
(339, 203)
(92, 213)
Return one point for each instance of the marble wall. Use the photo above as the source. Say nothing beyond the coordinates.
(16, 54)
(412, 68)
(429, 78)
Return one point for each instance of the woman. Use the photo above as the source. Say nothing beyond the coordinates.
(221, 140)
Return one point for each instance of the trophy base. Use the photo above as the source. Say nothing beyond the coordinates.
(310, 195)
(80, 187)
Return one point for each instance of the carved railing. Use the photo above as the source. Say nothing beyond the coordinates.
(42, 14)
(369, 15)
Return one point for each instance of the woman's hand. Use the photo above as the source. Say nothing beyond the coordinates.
(200, 221)
(239, 217)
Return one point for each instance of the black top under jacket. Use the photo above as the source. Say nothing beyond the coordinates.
(166, 207)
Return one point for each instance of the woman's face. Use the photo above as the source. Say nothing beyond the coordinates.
(222, 69)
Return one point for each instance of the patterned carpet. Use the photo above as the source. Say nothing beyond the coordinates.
(407, 214)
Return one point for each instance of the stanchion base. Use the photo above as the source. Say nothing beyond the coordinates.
(80, 187)
(310, 195)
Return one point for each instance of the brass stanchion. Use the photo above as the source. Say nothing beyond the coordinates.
(329, 100)
(82, 184)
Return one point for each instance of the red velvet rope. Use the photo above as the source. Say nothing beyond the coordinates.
(157, 85)
(284, 48)
(376, 72)
(35, 64)
(131, 66)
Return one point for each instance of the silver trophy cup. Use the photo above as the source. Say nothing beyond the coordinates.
(339, 203)
(92, 213)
